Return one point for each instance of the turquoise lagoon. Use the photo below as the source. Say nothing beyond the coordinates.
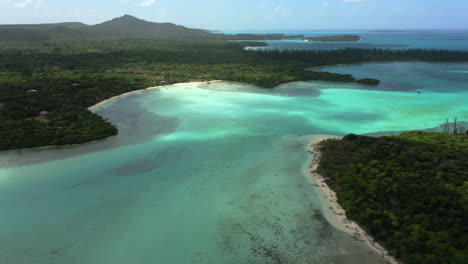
(209, 173)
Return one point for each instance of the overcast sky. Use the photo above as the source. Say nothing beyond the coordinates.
(249, 14)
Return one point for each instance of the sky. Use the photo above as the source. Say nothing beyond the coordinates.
(248, 14)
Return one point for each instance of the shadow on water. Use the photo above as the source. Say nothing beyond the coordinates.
(149, 163)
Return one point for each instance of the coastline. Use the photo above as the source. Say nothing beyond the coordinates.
(103, 102)
(96, 106)
(333, 212)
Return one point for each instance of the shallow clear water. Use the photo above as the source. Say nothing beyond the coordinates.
(206, 174)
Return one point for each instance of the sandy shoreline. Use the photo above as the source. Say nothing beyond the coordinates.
(101, 103)
(334, 213)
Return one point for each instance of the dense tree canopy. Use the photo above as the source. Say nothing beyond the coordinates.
(409, 191)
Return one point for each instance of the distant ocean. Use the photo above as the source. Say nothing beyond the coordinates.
(411, 39)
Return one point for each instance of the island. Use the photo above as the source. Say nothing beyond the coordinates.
(260, 36)
(389, 31)
(338, 38)
(408, 191)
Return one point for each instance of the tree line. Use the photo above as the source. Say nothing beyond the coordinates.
(410, 192)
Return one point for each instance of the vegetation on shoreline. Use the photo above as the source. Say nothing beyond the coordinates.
(409, 192)
(45, 87)
(337, 38)
(47, 109)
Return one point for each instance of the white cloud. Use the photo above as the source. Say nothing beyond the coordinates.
(26, 3)
(325, 4)
(147, 3)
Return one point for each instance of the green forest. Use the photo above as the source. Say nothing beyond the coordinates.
(410, 192)
(64, 78)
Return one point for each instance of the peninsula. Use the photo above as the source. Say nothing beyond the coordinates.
(406, 191)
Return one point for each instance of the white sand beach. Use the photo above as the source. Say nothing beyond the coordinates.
(333, 212)
(101, 103)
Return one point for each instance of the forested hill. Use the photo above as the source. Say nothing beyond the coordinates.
(132, 27)
(125, 27)
(121, 28)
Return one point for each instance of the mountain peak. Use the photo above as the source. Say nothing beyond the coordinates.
(127, 18)
(128, 27)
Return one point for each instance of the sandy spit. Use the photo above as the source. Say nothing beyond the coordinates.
(334, 213)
